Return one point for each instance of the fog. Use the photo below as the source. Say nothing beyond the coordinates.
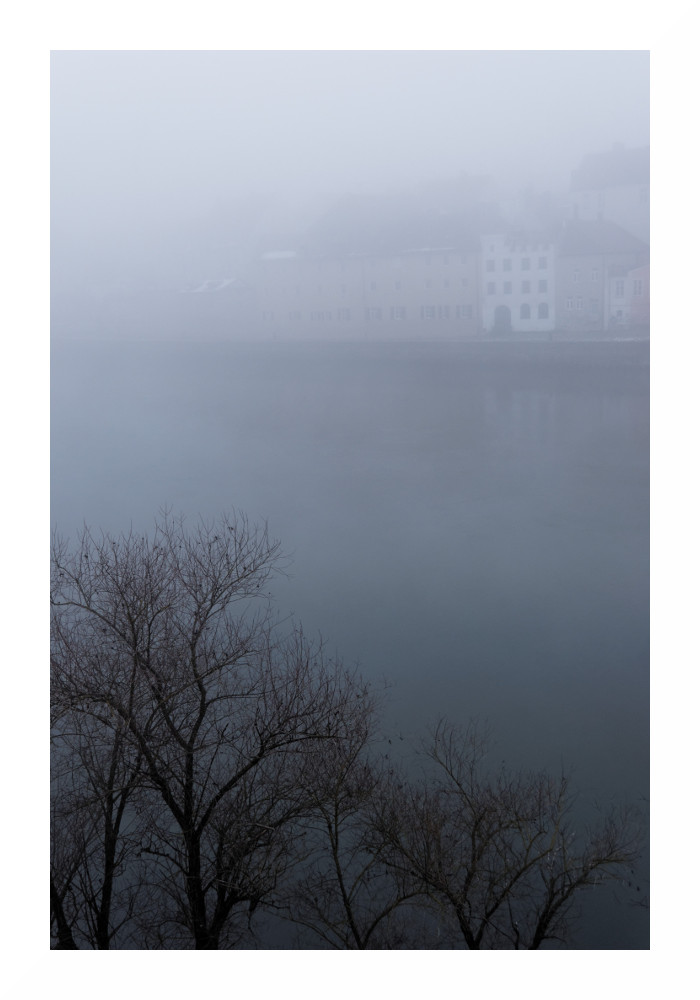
(154, 154)
(467, 521)
(473, 534)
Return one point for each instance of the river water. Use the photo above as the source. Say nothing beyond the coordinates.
(468, 522)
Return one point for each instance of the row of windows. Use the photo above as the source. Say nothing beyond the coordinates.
(374, 286)
(576, 304)
(524, 264)
(637, 288)
(433, 312)
(430, 312)
(525, 286)
(376, 313)
(427, 312)
(595, 276)
(526, 311)
(619, 287)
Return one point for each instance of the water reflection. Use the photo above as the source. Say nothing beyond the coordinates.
(475, 533)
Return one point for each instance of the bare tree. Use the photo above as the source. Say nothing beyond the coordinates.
(496, 853)
(205, 761)
(346, 894)
(168, 643)
(95, 833)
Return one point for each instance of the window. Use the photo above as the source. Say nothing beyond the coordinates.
(593, 307)
(542, 263)
(543, 311)
(295, 315)
(637, 286)
(343, 289)
(507, 287)
(620, 289)
(373, 313)
(428, 283)
(507, 264)
(579, 303)
(373, 286)
(524, 311)
(577, 276)
(463, 312)
(525, 286)
(398, 312)
(570, 302)
(465, 282)
(525, 264)
(446, 282)
(397, 284)
(594, 274)
(446, 259)
(542, 285)
(344, 315)
(443, 312)
(491, 288)
(427, 312)
(428, 259)
(490, 265)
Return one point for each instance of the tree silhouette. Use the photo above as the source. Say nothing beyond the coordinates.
(168, 646)
(497, 854)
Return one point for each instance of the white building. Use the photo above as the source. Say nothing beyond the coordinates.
(517, 283)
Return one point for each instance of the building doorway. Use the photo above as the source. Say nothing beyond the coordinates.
(501, 321)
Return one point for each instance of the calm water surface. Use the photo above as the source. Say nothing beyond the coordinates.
(468, 522)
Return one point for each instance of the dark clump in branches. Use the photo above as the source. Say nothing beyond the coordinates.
(209, 767)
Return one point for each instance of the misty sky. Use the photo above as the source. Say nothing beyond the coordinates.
(144, 141)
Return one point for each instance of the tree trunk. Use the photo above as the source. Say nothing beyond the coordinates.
(65, 935)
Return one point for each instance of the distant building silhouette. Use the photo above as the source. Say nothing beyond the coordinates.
(613, 186)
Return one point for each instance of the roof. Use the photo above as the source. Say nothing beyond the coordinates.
(520, 239)
(596, 237)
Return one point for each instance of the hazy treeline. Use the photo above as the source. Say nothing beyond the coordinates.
(213, 768)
